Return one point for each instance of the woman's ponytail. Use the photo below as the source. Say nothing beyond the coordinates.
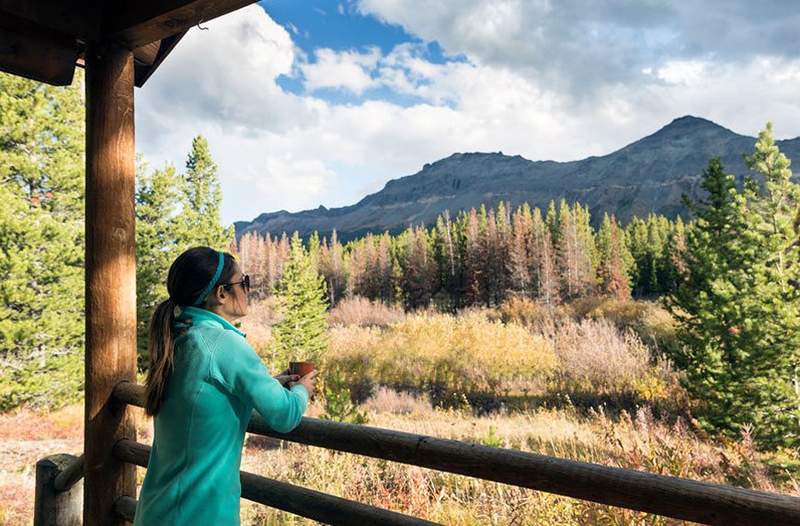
(162, 354)
(187, 283)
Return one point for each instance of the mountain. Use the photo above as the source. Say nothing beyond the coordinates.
(649, 175)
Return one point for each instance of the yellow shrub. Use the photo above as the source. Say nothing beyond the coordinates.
(464, 354)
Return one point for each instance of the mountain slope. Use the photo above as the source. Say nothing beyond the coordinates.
(649, 175)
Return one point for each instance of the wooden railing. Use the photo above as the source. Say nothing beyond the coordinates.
(673, 497)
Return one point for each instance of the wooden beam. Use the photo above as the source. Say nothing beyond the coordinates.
(71, 17)
(36, 53)
(135, 24)
(110, 277)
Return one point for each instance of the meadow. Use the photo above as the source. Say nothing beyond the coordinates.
(586, 381)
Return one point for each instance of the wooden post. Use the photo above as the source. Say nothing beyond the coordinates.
(54, 507)
(110, 276)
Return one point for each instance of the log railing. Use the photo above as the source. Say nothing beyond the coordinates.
(673, 497)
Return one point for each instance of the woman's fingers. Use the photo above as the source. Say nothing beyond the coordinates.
(286, 378)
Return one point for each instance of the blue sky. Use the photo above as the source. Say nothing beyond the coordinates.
(341, 27)
(320, 103)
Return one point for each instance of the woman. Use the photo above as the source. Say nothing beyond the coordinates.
(203, 383)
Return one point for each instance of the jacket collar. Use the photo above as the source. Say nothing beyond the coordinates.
(200, 316)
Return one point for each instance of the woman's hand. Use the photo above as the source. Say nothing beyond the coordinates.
(308, 381)
(285, 378)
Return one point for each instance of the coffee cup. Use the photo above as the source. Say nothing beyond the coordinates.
(301, 368)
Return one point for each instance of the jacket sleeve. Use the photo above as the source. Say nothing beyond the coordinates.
(238, 368)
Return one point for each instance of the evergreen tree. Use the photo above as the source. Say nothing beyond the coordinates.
(42, 240)
(637, 240)
(418, 269)
(332, 269)
(614, 280)
(551, 221)
(201, 200)
(302, 332)
(473, 260)
(574, 253)
(159, 241)
(738, 317)
(677, 247)
(501, 251)
(518, 261)
(174, 213)
(543, 262)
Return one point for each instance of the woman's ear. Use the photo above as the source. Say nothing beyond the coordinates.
(220, 295)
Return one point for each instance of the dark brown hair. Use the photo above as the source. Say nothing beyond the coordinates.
(188, 276)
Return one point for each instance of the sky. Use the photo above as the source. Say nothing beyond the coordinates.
(322, 102)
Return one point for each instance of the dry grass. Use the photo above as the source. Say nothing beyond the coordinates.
(598, 359)
(519, 354)
(443, 355)
(25, 437)
(364, 313)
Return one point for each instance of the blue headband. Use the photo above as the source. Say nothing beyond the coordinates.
(207, 290)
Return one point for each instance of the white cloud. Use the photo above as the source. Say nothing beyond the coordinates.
(348, 70)
(579, 48)
(686, 72)
(277, 150)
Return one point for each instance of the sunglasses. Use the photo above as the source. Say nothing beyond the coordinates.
(245, 283)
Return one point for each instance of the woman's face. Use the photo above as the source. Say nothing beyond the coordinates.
(230, 301)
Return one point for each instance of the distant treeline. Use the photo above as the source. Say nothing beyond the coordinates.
(484, 256)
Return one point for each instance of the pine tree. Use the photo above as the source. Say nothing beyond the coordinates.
(677, 247)
(551, 221)
(201, 200)
(636, 237)
(614, 280)
(520, 282)
(159, 240)
(444, 253)
(574, 253)
(501, 251)
(418, 269)
(332, 269)
(302, 333)
(738, 320)
(174, 213)
(42, 240)
(473, 260)
(543, 262)
(384, 269)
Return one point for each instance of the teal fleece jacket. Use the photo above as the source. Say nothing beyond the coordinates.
(218, 379)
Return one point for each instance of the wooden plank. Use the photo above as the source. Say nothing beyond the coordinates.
(146, 54)
(135, 24)
(165, 47)
(36, 53)
(54, 506)
(638, 490)
(305, 502)
(110, 276)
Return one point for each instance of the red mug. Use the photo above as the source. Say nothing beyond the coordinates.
(301, 368)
